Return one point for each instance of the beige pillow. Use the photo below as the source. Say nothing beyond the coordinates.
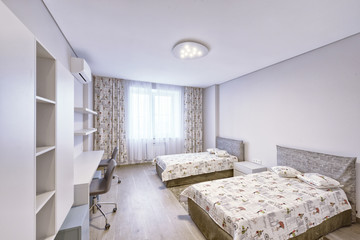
(284, 171)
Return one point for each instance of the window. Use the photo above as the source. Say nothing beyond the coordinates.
(154, 120)
(166, 116)
(155, 113)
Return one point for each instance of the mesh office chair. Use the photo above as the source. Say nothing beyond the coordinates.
(100, 186)
(105, 162)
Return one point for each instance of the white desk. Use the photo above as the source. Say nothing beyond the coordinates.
(85, 166)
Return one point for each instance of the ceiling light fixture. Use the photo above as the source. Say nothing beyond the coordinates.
(190, 50)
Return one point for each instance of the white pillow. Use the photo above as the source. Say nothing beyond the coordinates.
(319, 181)
(221, 153)
(284, 171)
(212, 150)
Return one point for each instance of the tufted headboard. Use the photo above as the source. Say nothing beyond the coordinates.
(233, 147)
(341, 169)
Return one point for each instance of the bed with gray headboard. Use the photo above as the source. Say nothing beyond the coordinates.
(233, 147)
(341, 169)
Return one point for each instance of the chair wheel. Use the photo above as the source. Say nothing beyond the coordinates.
(113, 177)
(115, 209)
(119, 181)
(107, 226)
(99, 205)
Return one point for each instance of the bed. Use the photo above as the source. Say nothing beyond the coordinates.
(188, 168)
(265, 206)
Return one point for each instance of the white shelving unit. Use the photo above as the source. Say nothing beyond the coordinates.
(44, 100)
(17, 97)
(42, 199)
(45, 144)
(84, 110)
(44, 149)
(85, 132)
(39, 95)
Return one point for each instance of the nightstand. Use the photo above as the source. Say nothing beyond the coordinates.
(244, 168)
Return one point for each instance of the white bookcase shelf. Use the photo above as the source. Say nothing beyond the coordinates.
(44, 100)
(45, 113)
(85, 132)
(40, 112)
(42, 199)
(44, 149)
(84, 110)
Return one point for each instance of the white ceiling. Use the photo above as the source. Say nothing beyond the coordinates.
(132, 39)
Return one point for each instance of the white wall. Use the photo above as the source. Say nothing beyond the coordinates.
(310, 102)
(36, 18)
(210, 116)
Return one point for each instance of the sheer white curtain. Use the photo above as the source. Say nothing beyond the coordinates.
(154, 120)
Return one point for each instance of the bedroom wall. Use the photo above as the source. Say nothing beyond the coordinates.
(310, 102)
(210, 116)
(36, 18)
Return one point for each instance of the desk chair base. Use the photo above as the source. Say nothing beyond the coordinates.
(98, 206)
(119, 181)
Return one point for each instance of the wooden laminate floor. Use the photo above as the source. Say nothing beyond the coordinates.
(346, 233)
(148, 211)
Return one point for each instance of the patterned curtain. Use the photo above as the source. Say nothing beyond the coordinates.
(193, 120)
(110, 120)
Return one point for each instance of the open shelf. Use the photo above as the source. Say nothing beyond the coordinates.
(84, 132)
(44, 100)
(45, 217)
(84, 110)
(42, 199)
(45, 124)
(44, 149)
(45, 113)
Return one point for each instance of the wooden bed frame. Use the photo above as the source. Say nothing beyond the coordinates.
(340, 168)
(233, 147)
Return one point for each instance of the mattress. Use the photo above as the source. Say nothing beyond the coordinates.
(190, 164)
(266, 206)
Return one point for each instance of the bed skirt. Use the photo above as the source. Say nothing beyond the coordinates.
(195, 178)
(212, 231)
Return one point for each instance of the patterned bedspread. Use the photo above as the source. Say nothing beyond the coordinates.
(266, 206)
(189, 164)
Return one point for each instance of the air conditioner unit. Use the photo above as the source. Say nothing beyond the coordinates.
(81, 70)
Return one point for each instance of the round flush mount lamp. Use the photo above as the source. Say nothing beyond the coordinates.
(190, 50)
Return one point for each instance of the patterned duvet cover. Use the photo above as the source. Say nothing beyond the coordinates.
(266, 206)
(189, 164)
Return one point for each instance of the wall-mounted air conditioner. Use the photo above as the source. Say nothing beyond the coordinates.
(81, 70)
